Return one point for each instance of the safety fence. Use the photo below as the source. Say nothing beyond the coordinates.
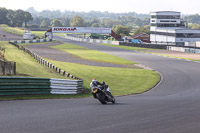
(32, 41)
(184, 49)
(92, 40)
(44, 62)
(29, 85)
(144, 45)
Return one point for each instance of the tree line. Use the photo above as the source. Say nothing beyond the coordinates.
(122, 23)
(89, 19)
(16, 18)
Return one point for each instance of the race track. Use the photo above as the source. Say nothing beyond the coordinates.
(172, 107)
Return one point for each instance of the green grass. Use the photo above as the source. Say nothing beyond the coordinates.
(173, 56)
(12, 30)
(122, 81)
(26, 65)
(128, 47)
(18, 31)
(60, 34)
(89, 54)
(38, 33)
(145, 50)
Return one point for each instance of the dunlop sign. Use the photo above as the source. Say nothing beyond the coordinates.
(81, 30)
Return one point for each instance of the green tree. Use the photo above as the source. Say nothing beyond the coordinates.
(193, 18)
(56, 23)
(18, 18)
(122, 30)
(27, 17)
(10, 17)
(3, 14)
(95, 25)
(44, 24)
(77, 21)
(194, 26)
(65, 22)
(144, 29)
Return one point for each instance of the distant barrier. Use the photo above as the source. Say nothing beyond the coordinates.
(29, 85)
(32, 41)
(92, 40)
(144, 45)
(184, 49)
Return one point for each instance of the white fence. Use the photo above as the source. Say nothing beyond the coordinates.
(63, 86)
(32, 41)
(92, 40)
(183, 49)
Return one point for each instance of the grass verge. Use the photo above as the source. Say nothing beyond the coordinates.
(128, 47)
(146, 51)
(18, 31)
(122, 81)
(38, 33)
(173, 56)
(26, 65)
(12, 30)
(89, 54)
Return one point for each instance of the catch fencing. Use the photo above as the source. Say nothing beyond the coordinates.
(29, 85)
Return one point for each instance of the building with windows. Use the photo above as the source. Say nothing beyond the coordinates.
(167, 27)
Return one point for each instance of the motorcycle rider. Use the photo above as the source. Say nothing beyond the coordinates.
(94, 84)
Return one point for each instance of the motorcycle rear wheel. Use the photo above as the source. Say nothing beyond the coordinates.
(101, 98)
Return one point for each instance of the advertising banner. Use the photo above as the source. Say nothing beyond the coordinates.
(81, 30)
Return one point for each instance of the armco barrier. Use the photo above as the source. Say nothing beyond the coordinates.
(62, 86)
(29, 85)
(32, 41)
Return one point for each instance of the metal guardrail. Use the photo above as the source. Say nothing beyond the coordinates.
(61, 86)
(24, 85)
(32, 41)
(29, 85)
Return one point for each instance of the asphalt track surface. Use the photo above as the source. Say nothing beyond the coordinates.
(46, 51)
(5, 36)
(171, 107)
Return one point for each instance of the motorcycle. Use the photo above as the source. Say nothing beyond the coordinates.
(103, 95)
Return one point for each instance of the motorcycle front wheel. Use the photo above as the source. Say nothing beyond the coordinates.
(113, 100)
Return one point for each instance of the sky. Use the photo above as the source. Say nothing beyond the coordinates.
(115, 6)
